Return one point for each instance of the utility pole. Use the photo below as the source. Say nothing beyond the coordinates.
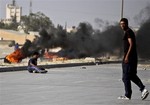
(122, 8)
(30, 11)
(65, 26)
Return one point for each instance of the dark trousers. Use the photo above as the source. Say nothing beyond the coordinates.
(130, 74)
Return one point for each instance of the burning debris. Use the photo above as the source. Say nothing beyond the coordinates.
(51, 56)
(19, 54)
(14, 57)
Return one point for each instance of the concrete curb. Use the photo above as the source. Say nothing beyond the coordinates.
(22, 68)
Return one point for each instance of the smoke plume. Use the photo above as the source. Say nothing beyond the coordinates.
(143, 34)
(82, 43)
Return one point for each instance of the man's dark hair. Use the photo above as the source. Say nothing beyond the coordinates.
(35, 53)
(125, 20)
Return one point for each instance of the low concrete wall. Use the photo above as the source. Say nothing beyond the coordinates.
(7, 42)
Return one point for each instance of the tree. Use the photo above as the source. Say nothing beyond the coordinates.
(2, 25)
(12, 26)
(36, 21)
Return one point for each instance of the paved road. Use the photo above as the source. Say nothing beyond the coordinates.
(82, 85)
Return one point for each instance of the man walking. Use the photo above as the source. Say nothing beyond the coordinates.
(129, 64)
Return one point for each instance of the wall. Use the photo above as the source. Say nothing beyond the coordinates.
(14, 35)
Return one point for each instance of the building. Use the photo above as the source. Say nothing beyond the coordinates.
(13, 11)
(72, 29)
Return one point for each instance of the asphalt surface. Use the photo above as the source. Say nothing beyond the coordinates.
(80, 85)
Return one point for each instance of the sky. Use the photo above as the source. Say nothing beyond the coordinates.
(73, 12)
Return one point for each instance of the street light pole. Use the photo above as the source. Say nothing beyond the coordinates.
(122, 8)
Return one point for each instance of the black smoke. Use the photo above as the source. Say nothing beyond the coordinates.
(143, 40)
(84, 42)
(89, 42)
(143, 34)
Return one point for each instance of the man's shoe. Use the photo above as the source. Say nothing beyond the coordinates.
(145, 93)
(43, 71)
(30, 71)
(123, 98)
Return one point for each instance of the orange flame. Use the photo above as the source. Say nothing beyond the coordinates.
(16, 56)
(54, 57)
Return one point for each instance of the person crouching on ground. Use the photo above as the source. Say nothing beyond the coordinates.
(32, 64)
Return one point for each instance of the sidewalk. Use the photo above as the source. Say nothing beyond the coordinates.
(80, 85)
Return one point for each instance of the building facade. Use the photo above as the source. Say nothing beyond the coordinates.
(13, 11)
